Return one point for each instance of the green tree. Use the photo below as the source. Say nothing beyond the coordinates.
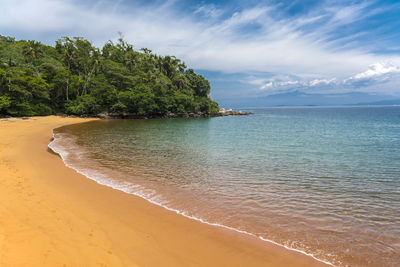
(32, 51)
(5, 102)
(82, 105)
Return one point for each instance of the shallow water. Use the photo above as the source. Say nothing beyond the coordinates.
(325, 181)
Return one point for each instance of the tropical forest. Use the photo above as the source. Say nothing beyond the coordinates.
(76, 78)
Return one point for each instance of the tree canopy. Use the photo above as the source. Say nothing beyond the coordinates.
(74, 77)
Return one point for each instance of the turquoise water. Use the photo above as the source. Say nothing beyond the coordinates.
(325, 181)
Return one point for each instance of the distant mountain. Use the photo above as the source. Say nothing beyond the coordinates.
(383, 102)
(298, 98)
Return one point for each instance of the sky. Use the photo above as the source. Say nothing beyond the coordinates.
(246, 49)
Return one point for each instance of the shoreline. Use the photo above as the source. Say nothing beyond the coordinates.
(222, 113)
(101, 182)
(51, 216)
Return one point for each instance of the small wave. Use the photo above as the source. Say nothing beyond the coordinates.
(151, 197)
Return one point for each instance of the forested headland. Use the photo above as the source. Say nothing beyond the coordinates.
(74, 77)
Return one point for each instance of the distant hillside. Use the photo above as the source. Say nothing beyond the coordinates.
(298, 98)
(383, 102)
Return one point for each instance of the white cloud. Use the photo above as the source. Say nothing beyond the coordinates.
(376, 70)
(321, 81)
(267, 86)
(256, 81)
(288, 83)
(349, 14)
(210, 11)
(275, 84)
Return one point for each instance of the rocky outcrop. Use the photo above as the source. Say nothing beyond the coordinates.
(230, 112)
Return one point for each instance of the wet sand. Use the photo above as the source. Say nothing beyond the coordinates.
(52, 216)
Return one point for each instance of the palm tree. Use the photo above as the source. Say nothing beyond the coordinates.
(32, 50)
(67, 49)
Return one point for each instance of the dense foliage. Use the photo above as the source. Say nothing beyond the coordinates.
(74, 77)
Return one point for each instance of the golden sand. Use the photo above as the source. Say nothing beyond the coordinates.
(52, 216)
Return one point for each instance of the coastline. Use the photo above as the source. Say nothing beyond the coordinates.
(51, 215)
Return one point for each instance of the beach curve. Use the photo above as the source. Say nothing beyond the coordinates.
(51, 216)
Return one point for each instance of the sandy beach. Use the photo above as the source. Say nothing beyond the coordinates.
(52, 216)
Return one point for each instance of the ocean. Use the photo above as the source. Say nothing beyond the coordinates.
(321, 180)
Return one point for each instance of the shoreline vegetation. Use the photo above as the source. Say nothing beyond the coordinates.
(53, 216)
(222, 112)
(76, 78)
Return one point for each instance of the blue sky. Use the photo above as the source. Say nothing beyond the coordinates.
(246, 49)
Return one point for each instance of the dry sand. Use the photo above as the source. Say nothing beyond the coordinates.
(52, 216)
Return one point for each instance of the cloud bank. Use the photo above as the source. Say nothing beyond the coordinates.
(383, 78)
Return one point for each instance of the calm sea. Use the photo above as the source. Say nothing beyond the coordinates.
(322, 180)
